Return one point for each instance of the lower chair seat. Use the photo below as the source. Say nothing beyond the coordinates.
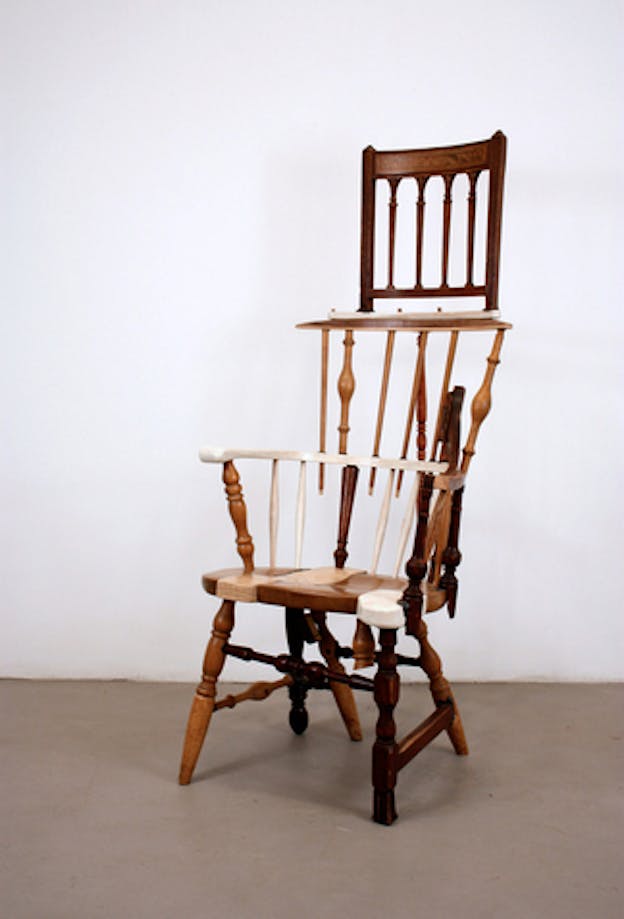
(320, 589)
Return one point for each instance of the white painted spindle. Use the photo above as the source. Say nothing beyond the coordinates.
(382, 523)
(406, 526)
(300, 514)
(273, 515)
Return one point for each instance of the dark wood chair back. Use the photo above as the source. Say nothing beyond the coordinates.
(394, 166)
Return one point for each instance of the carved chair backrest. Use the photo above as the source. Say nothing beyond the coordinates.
(419, 166)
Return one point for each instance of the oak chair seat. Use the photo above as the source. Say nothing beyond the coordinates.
(333, 590)
(452, 197)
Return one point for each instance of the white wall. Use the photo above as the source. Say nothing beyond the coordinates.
(180, 186)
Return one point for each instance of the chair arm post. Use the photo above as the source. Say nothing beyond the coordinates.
(416, 568)
(238, 513)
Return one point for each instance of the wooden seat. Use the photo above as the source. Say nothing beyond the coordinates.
(335, 589)
(413, 519)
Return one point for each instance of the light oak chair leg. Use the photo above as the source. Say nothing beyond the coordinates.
(342, 693)
(440, 688)
(204, 701)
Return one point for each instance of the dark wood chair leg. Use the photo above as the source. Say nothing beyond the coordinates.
(440, 687)
(204, 701)
(296, 630)
(385, 749)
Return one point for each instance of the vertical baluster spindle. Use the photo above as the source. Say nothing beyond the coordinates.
(346, 388)
(383, 395)
(472, 210)
(323, 422)
(411, 411)
(420, 221)
(446, 233)
(392, 207)
(482, 401)
(273, 514)
(300, 514)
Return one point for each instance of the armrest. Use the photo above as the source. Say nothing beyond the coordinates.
(211, 454)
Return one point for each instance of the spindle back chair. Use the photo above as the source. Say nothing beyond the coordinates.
(426, 549)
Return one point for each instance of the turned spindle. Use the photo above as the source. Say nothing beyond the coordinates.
(238, 513)
(448, 369)
(416, 568)
(482, 401)
(385, 749)
(346, 388)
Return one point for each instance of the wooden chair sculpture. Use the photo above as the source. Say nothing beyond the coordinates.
(434, 501)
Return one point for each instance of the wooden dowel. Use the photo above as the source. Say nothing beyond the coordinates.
(346, 388)
(300, 514)
(472, 203)
(273, 514)
(448, 369)
(417, 740)
(446, 233)
(383, 395)
(323, 421)
(406, 526)
(392, 206)
(416, 383)
(482, 401)
(382, 523)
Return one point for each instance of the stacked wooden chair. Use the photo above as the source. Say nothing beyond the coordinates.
(424, 578)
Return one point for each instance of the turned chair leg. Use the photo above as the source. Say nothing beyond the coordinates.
(295, 635)
(342, 693)
(204, 701)
(385, 749)
(440, 688)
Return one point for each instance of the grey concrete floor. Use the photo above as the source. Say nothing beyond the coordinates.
(94, 824)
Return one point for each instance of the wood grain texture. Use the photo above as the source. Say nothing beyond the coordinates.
(204, 701)
(439, 687)
(238, 513)
(482, 401)
(363, 646)
(257, 692)
(385, 749)
(418, 382)
(342, 693)
(393, 166)
(347, 496)
(381, 409)
(346, 388)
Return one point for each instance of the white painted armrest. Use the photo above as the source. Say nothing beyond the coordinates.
(221, 455)
(381, 608)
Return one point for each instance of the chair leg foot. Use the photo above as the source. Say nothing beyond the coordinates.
(440, 688)
(383, 807)
(204, 701)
